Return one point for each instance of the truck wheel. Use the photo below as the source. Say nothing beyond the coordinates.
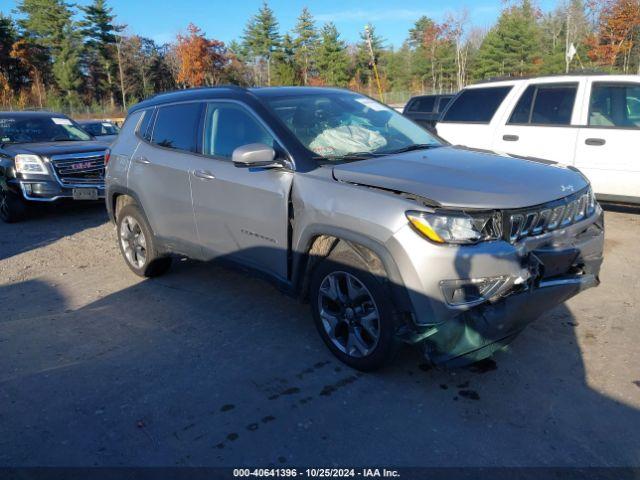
(352, 313)
(12, 207)
(138, 245)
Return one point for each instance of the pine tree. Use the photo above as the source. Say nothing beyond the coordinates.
(66, 68)
(399, 64)
(332, 59)
(306, 42)
(285, 65)
(417, 32)
(512, 47)
(261, 37)
(45, 21)
(100, 32)
(49, 25)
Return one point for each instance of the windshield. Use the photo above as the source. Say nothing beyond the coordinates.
(334, 125)
(98, 129)
(24, 129)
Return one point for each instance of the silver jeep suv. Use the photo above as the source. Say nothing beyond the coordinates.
(392, 235)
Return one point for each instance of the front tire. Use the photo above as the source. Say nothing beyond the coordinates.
(12, 207)
(353, 313)
(138, 244)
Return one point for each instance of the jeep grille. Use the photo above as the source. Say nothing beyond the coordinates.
(551, 216)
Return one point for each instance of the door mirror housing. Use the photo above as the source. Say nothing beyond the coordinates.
(254, 155)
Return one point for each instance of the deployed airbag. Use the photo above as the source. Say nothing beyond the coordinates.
(346, 139)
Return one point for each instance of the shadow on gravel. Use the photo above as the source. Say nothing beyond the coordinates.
(210, 366)
(47, 223)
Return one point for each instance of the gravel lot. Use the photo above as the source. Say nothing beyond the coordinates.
(211, 366)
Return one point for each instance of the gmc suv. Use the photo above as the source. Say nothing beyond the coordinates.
(45, 157)
(392, 236)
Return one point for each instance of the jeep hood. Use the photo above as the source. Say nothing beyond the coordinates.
(462, 178)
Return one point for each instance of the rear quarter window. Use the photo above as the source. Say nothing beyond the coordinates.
(131, 122)
(145, 127)
(476, 105)
(422, 104)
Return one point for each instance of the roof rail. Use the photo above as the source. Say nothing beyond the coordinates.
(181, 90)
(203, 87)
(573, 73)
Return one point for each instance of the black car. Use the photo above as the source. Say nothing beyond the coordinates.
(45, 157)
(103, 130)
(426, 109)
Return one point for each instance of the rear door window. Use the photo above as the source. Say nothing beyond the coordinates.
(176, 126)
(422, 104)
(476, 105)
(615, 105)
(545, 105)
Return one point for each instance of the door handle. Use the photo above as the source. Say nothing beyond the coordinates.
(510, 138)
(595, 142)
(142, 160)
(204, 174)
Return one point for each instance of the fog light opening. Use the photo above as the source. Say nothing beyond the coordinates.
(471, 291)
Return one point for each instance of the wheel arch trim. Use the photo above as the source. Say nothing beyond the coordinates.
(304, 259)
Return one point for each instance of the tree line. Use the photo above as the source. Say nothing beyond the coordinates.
(58, 56)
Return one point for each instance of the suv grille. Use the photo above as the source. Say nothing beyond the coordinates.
(79, 168)
(551, 216)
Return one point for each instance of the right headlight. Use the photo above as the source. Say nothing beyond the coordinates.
(457, 227)
(26, 163)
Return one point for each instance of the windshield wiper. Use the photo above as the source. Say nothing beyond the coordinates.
(411, 148)
(348, 156)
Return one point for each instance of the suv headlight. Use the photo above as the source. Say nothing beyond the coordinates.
(457, 227)
(30, 164)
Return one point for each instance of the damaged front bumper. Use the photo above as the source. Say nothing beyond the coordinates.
(500, 289)
(479, 332)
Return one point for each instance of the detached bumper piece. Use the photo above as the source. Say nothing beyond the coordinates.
(555, 275)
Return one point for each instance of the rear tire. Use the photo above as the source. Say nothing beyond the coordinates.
(13, 208)
(353, 312)
(138, 244)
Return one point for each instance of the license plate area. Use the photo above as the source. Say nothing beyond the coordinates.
(85, 194)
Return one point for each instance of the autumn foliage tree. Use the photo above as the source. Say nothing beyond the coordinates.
(32, 57)
(201, 61)
(613, 42)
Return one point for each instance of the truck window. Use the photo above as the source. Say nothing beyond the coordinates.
(476, 105)
(545, 105)
(422, 104)
(615, 105)
(177, 126)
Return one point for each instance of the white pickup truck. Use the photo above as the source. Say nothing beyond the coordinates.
(589, 121)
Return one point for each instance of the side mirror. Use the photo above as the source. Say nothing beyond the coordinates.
(254, 155)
